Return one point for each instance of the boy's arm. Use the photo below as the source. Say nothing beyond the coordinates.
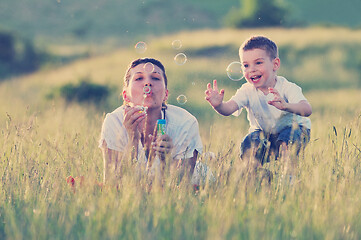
(226, 108)
(215, 98)
(302, 108)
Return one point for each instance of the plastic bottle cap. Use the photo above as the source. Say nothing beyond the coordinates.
(161, 121)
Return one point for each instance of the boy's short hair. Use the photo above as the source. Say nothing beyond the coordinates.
(260, 42)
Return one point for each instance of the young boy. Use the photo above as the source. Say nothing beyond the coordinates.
(277, 109)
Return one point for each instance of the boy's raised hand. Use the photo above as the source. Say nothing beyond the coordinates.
(213, 96)
(302, 108)
(278, 101)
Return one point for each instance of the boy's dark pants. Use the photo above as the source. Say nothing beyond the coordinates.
(266, 143)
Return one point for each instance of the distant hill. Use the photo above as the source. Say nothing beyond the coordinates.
(94, 19)
(327, 12)
(315, 58)
(84, 20)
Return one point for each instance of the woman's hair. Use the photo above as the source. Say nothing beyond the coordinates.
(138, 61)
(260, 42)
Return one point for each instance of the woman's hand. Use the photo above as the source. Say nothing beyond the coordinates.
(133, 122)
(162, 146)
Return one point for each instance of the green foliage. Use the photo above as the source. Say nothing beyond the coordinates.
(84, 92)
(329, 61)
(7, 50)
(17, 55)
(330, 13)
(61, 20)
(355, 63)
(257, 13)
(93, 19)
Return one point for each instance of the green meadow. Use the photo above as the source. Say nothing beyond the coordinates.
(46, 139)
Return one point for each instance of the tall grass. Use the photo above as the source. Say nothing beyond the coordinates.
(43, 142)
(39, 151)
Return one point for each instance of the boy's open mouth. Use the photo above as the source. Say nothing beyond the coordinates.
(256, 78)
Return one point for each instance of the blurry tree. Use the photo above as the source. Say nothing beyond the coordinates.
(17, 55)
(257, 13)
(358, 66)
(84, 91)
(7, 50)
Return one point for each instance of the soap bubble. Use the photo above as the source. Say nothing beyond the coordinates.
(177, 44)
(234, 71)
(182, 99)
(149, 67)
(140, 47)
(147, 89)
(180, 58)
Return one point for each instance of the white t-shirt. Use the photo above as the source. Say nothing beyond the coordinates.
(181, 126)
(263, 116)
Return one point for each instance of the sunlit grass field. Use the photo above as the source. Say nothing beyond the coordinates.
(43, 141)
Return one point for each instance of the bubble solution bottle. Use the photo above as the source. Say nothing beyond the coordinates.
(161, 126)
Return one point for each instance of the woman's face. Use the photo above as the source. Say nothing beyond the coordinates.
(146, 86)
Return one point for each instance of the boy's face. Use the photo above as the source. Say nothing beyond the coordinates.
(259, 69)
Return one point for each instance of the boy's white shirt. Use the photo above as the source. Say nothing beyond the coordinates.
(263, 116)
(181, 126)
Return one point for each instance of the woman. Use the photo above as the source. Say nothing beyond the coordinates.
(129, 131)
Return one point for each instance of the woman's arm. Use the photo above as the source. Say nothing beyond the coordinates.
(192, 162)
(186, 166)
(163, 146)
(112, 160)
(112, 164)
(133, 118)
